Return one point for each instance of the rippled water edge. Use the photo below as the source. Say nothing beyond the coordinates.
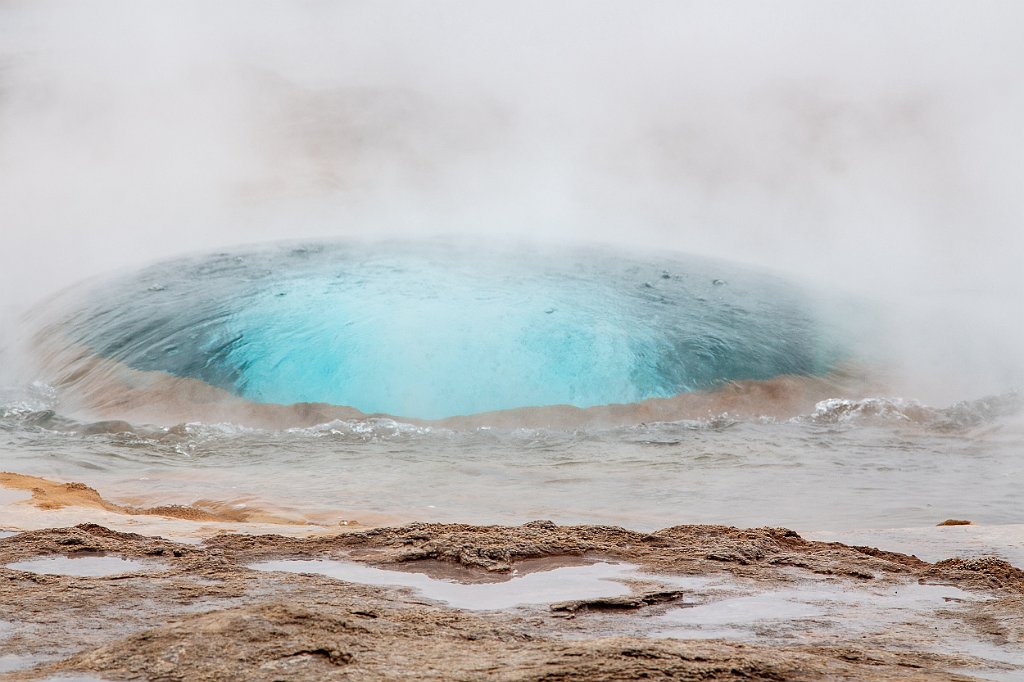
(776, 401)
(845, 463)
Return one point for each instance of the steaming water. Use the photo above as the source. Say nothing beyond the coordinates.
(434, 331)
(430, 330)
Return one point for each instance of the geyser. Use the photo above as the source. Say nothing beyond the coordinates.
(430, 330)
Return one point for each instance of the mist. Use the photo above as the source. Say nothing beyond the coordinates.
(872, 148)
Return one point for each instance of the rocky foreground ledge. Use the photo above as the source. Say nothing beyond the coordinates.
(201, 612)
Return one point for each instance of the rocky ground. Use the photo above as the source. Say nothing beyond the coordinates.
(204, 614)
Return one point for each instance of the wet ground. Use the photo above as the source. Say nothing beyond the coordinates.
(538, 601)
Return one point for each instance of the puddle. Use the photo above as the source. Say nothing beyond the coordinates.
(451, 572)
(84, 567)
(819, 612)
(565, 583)
(739, 614)
(816, 613)
(853, 611)
(8, 533)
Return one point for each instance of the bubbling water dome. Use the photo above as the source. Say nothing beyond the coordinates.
(430, 330)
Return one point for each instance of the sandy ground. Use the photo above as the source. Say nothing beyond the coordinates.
(31, 502)
(197, 610)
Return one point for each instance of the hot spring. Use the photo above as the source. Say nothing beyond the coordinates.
(432, 330)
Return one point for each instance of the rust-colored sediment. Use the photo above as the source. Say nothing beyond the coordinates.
(51, 495)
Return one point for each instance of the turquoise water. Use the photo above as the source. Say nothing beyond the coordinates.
(432, 330)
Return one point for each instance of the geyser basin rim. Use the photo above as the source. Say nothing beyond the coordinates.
(430, 330)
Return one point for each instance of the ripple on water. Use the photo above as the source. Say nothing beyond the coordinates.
(432, 330)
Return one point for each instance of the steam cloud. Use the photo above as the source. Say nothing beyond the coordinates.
(868, 147)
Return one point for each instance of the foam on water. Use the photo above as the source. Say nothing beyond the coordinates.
(806, 473)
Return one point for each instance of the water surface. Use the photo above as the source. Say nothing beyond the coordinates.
(83, 567)
(742, 400)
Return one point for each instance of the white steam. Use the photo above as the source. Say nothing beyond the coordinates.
(872, 147)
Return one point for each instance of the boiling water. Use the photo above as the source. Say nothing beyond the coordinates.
(807, 473)
(736, 405)
(434, 329)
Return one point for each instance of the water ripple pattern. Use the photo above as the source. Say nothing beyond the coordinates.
(430, 330)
